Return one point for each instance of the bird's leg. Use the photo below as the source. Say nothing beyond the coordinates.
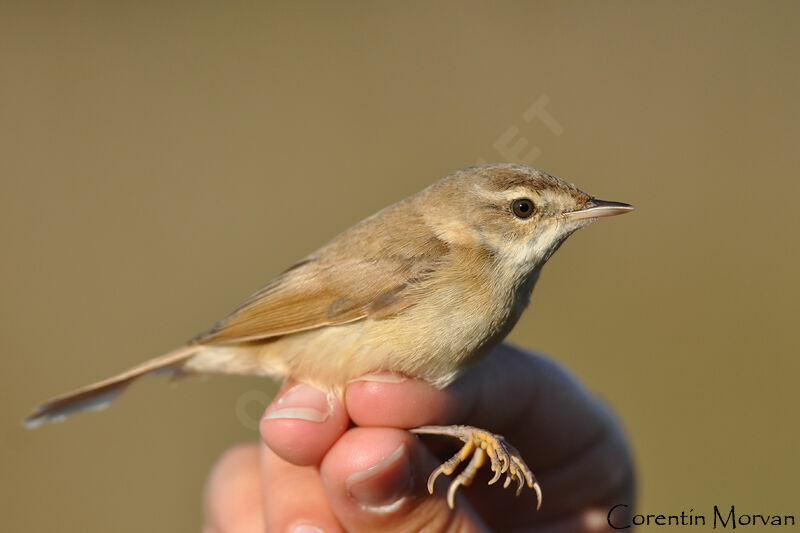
(503, 459)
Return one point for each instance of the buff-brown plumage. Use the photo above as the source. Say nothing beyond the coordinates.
(422, 288)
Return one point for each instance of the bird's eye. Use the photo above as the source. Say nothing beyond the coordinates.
(522, 207)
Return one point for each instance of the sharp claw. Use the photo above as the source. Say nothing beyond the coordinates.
(503, 457)
(451, 493)
(433, 476)
(538, 491)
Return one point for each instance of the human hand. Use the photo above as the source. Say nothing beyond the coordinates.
(312, 470)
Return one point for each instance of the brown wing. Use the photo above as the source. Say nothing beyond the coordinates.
(332, 288)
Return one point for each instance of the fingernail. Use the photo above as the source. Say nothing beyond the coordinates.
(302, 402)
(382, 377)
(305, 528)
(383, 484)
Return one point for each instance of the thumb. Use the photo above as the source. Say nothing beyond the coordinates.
(376, 479)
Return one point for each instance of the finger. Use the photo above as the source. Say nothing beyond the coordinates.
(510, 392)
(536, 405)
(598, 476)
(375, 479)
(535, 401)
(294, 499)
(302, 423)
(232, 500)
(385, 399)
(592, 520)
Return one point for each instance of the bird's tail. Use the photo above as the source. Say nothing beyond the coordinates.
(99, 395)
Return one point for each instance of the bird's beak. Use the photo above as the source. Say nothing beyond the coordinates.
(599, 208)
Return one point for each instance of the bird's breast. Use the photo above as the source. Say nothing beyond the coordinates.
(459, 319)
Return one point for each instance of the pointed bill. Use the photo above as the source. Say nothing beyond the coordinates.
(599, 208)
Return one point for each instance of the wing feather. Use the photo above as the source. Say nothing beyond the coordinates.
(332, 288)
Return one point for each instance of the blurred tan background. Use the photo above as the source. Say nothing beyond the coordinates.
(160, 163)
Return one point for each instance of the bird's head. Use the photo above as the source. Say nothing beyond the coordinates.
(520, 214)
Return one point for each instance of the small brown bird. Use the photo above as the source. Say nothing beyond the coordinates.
(422, 288)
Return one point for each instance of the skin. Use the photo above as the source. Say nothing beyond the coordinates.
(424, 288)
(297, 475)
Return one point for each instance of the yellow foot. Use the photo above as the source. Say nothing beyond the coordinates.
(503, 458)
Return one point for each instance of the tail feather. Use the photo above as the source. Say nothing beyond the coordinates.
(99, 395)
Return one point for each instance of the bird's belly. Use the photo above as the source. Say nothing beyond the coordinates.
(427, 342)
